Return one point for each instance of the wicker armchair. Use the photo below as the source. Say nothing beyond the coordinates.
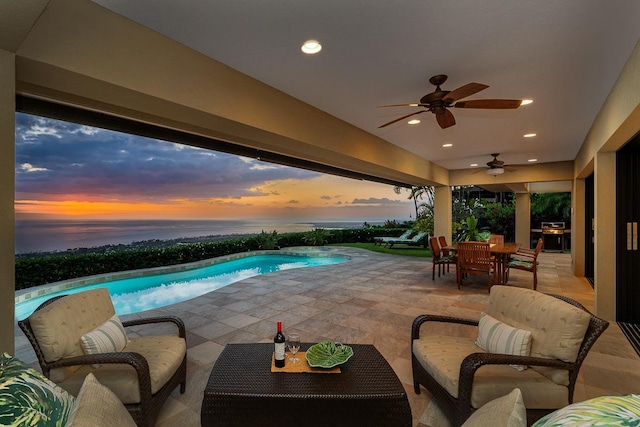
(462, 377)
(142, 375)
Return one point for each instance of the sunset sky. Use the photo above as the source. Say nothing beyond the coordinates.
(65, 170)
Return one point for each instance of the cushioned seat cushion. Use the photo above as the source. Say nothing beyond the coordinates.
(164, 355)
(59, 326)
(442, 355)
(557, 328)
(521, 264)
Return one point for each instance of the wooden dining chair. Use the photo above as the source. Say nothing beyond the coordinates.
(439, 258)
(496, 238)
(474, 258)
(445, 252)
(443, 244)
(526, 262)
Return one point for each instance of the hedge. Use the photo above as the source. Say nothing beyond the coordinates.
(39, 270)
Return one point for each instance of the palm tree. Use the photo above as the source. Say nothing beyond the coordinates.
(420, 192)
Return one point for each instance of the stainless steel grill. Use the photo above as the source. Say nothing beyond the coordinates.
(553, 236)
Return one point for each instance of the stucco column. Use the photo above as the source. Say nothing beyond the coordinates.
(443, 212)
(605, 242)
(523, 219)
(578, 219)
(7, 195)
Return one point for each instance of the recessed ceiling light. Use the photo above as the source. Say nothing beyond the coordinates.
(447, 145)
(311, 47)
(532, 160)
(473, 165)
(529, 135)
(526, 101)
(413, 122)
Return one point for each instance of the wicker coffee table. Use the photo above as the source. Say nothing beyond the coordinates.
(242, 391)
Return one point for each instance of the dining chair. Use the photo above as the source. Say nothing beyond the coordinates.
(445, 252)
(526, 262)
(439, 258)
(474, 258)
(496, 238)
(443, 244)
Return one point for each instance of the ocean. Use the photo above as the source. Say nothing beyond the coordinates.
(60, 235)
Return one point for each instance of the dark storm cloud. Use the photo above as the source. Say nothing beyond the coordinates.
(56, 158)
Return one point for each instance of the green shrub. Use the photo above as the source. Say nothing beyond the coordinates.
(34, 270)
(317, 236)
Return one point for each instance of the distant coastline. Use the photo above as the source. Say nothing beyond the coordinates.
(55, 236)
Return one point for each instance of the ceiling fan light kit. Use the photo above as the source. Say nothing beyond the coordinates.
(495, 171)
(439, 101)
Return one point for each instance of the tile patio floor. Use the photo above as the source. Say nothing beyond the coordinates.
(371, 299)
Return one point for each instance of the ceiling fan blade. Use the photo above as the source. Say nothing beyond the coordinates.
(445, 119)
(464, 91)
(489, 103)
(401, 118)
(399, 105)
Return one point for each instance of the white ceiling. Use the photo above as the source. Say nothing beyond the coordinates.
(563, 54)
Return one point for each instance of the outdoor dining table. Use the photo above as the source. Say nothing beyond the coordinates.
(243, 391)
(501, 251)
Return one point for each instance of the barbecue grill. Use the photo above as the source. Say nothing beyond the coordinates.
(553, 236)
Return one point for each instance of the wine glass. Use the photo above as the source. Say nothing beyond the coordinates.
(293, 341)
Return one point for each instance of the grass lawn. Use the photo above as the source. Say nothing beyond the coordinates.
(418, 251)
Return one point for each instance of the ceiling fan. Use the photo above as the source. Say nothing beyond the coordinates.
(497, 167)
(439, 101)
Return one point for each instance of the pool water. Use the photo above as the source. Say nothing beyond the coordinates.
(148, 292)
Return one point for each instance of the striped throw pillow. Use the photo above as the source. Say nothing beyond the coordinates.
(497, 337)
(106, 338)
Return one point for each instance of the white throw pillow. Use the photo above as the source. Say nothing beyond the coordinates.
(98, 406)
(497, 337)
(505, 411)
(106, 338)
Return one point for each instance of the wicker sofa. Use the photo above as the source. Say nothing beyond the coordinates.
(462, 376)
(66, 332)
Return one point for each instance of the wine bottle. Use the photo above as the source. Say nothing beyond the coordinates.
(279, 340)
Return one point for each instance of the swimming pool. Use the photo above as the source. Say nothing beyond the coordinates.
(148, 291)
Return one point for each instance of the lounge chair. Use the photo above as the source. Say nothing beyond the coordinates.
(417, 240)
(380, 240)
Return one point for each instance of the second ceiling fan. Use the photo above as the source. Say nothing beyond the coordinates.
(439, 101)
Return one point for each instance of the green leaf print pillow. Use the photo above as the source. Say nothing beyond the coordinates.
(28, 398)
(610, 411)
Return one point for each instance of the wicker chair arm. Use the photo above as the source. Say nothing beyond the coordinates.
(160, 319)
(475, 361)
(423, 318)
(136, 360)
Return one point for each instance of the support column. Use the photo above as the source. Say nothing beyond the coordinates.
(7, 196)
(605, 243)
(523, 219)
(443, 212)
